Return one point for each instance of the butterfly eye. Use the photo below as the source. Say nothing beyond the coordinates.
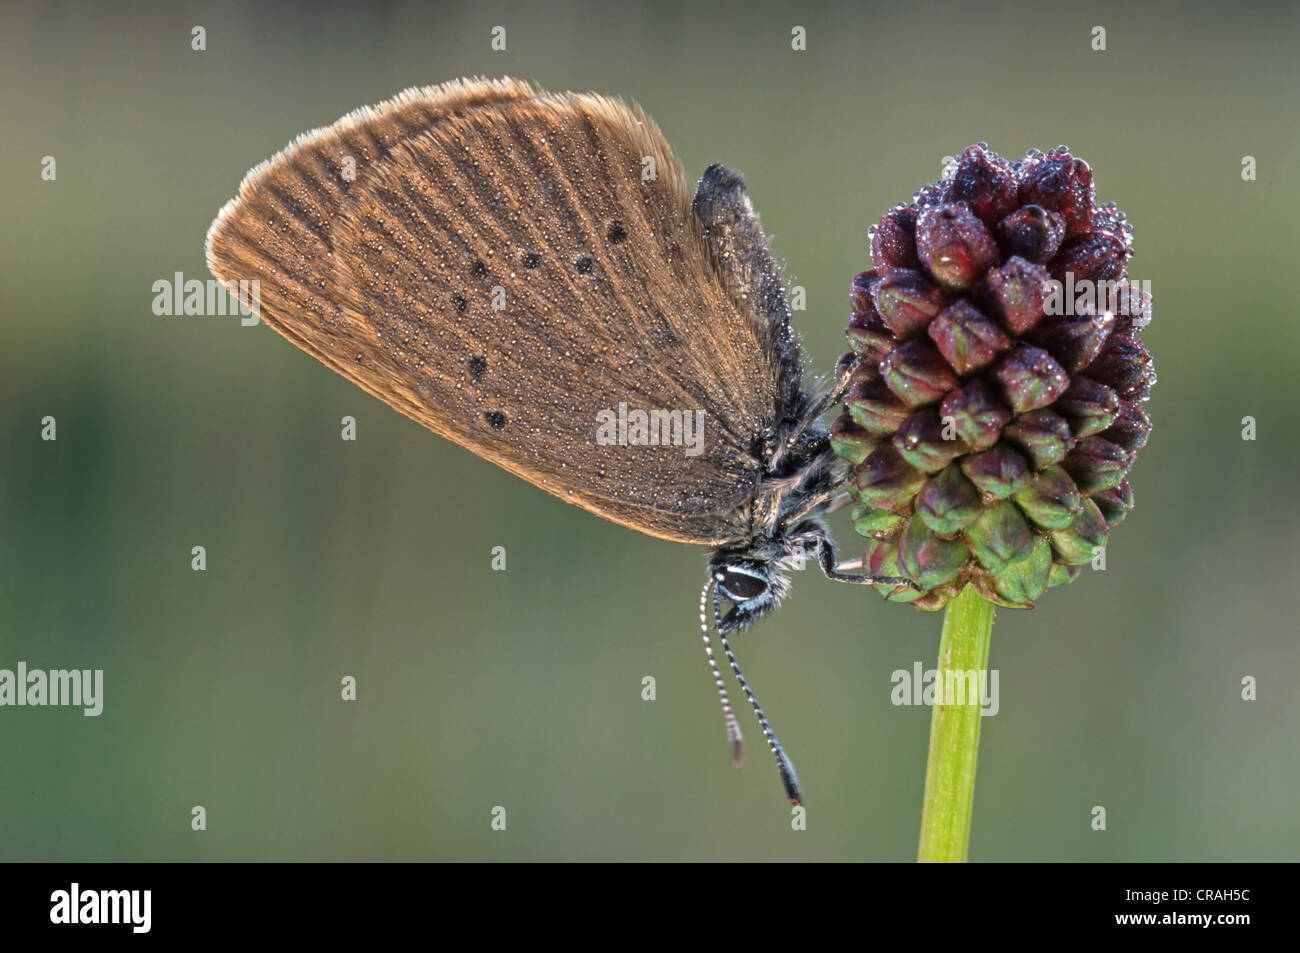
(741, 584)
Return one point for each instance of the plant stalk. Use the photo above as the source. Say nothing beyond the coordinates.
(955, 733)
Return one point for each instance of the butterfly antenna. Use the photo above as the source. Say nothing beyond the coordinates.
(783, 765)
(734, 739)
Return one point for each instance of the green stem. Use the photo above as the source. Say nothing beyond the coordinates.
(955, 733)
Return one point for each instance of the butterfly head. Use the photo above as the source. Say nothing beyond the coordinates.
(753, 579)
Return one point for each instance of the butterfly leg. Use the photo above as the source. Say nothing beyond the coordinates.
(816, 499)
(841, 500)
(826, 560)
(823, 403)
(832, 396)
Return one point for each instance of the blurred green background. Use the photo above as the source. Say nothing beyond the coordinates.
(522, 688)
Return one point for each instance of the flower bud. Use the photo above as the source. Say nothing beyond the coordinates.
(955, 246)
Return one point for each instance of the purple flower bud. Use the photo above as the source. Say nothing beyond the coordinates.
(874, 407)
(1090, 407)
(1132, 309)
(1092, 257)
(1030, 378)
(993, 413)
(954, 245)
(869, 336)
(1141, 390)
(917, 373)
(1096, 464)
(1125, 366)
(977, 416)
(1130, 429)
(1062, 184)
(1018, 291)
(1074, 340)
(893, 244)
(1032, 233)
(1115, 503)
(984, 182)
(860, 293)
(908, 301)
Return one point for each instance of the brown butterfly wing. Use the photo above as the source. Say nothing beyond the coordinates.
(501, 269)
(277, 230)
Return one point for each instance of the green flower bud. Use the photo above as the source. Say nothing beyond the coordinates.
(908, 301)
(926, 557)
(1078, 544)
(998, 472)
(1000, 535)
(921, 443)
(966, 338)
(1051, 501)
(886, 480)
(948, 502)
(1023, 581)
(1044, 437)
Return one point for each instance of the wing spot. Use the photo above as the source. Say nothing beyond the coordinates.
(617, 233)
(480, 269)
(477, 367)
(460, 303)
(583, 264)
(532, 260)
(495, 419)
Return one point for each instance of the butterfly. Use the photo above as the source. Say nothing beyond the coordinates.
(507, 267)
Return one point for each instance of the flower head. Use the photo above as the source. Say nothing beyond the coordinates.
(995, 409)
